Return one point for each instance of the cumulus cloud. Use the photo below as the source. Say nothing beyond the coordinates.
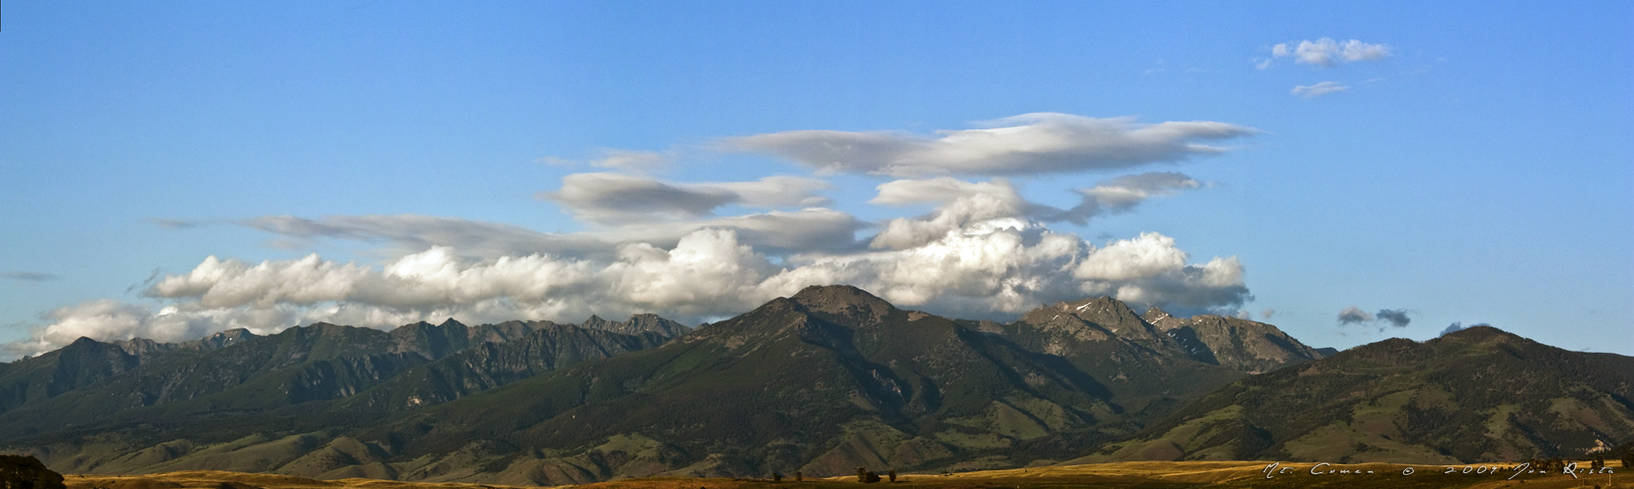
(1026, 144)
(24, 276)
(1354, 315)
(994, 270)
(613, 198)
(1396, 317)
(979, 272)
(1318, 89)
(439, 279)
(1327, 52)
(1150, 269)
(961, 204)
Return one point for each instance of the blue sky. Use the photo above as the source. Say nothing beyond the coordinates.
(1476, 168)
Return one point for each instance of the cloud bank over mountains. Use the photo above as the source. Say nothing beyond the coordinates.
(699, 251)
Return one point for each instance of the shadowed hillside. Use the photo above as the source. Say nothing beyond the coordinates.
(1476, 394)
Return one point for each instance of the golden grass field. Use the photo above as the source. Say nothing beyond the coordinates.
(1149, 475)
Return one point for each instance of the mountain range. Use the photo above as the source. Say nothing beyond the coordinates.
(827, 380)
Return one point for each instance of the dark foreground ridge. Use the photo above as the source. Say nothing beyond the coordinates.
(21, 472)
(1130, 475)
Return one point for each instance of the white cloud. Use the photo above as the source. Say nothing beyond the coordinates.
(974, 272)
(1318, 89)
(438, 279)
(979, 270)
(613, 198)
(961, 204)
(1148, 255)
(1021, 145)
(1326, 52)
(995, 271)
(708, 273)
(1150, 269)
(998, 203)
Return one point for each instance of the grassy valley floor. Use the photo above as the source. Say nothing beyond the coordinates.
(1146, 475)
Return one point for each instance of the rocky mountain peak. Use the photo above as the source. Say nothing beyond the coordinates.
(143, 346)
(230, 336)
(1109, 313)
(637, 324)
(1104, 305)
(324, 327)
(648, 322)
(1155, 315)
(219, 339)
(843, 300)
(83, 342)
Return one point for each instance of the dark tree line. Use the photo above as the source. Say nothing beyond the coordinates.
(21, 472)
